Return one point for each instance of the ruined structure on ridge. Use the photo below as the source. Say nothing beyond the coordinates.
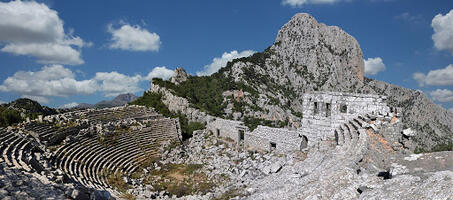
(323, 112)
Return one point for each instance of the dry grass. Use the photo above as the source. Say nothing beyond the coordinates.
(148, 161)
(180, 179)
(393, 120)
(116, 181)
(230, 194)
(127, 196)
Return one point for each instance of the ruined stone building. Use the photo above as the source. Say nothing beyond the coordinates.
(234, 130)
(279, 139)
(323, 112)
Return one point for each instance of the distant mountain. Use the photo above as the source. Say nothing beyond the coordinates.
(119, 100)
(84, 106)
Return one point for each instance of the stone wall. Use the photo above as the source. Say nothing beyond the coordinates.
(227, 129)
(270, 139)
(325, 111)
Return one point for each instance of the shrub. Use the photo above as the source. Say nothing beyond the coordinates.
(193, 126)
(116, 180)
(437, 148)
(9, 117)
(252, 123)
(154, 100)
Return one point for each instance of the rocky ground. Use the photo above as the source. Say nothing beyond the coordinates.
(326, 171)
(20, 185)
(376, 165)
(228, 167)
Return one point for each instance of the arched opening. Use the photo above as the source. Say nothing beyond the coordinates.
(304, 143)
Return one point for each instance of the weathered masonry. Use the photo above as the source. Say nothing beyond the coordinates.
(262, 138)
(325, 111)
(234, 130)
(280, 139)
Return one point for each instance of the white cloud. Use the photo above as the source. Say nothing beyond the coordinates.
(47, 53)
(442, 95)
(374, 66)
(160, 72)
(406, 16)
(218, 63)
(58, 81)
(114, 83)
(133, 38)
(299, 3)
(2, 102)
(52, 80)
(31, 28)
(420, 78)
(443, 31)
(439, 77)
(69, 105)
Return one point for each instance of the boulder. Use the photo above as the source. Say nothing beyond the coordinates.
(275, 167)
(409, 132)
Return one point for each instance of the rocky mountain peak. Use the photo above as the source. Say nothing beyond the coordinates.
(119, 100)
(323, 49)
(126, 98)
(179, 76)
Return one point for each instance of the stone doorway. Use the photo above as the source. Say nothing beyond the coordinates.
(217, 132)
(273, 146)
(304, 143)
(241, 135)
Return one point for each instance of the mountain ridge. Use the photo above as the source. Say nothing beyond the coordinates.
(119, 100)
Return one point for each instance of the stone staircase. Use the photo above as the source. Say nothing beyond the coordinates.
(352, 138)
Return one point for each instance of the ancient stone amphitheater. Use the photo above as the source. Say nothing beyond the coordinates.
(85, 147)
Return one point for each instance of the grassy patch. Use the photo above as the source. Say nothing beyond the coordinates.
(231, 194)
(127, 196)
(180, 179)
(252, 123)
(116, 181)
(109, 140)
(191, 168)
(148, 161)
(437, 148)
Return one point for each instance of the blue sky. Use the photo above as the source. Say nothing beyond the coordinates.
(87, 51)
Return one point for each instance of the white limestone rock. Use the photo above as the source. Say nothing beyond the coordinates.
(179, 76)
(409, 132)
